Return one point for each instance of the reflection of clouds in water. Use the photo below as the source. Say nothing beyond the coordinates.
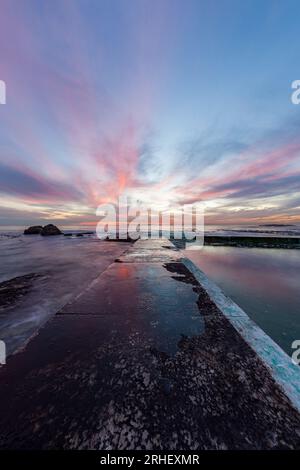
(264, 282)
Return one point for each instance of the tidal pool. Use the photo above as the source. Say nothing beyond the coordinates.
(264, 282)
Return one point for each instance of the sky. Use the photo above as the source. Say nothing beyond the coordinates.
(166, 101)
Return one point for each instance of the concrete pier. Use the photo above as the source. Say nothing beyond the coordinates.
(145, 358)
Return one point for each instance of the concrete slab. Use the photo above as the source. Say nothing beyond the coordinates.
(143, 359)
(151, 251)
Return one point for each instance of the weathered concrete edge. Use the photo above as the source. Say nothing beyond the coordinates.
(283, 370)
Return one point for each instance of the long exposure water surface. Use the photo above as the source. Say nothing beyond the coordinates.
(65, 267)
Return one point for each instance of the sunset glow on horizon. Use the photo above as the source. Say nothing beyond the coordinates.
(171, 102)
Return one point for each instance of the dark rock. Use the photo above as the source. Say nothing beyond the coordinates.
(50, 229)
(117, 239)
(13, 290)
(79, 234)
(33, 230)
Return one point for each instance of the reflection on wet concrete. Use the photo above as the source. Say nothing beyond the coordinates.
(143, 360)
(148, 301)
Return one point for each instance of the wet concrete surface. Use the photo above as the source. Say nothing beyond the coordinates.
(143, 359)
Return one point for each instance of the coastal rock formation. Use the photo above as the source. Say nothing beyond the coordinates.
(33, 230)
(50, 229)
(13, 290)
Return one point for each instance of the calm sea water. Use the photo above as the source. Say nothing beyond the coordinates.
(264, 282)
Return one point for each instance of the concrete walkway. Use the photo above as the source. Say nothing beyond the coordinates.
(143, 359)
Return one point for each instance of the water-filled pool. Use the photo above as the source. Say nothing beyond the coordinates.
(264, 282)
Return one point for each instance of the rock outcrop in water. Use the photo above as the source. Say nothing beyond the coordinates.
(33, 230)
(49, 229)
(13, 290)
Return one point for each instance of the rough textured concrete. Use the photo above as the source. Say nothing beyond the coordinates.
(143, 359)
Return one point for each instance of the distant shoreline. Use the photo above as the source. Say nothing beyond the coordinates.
(277, 225)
